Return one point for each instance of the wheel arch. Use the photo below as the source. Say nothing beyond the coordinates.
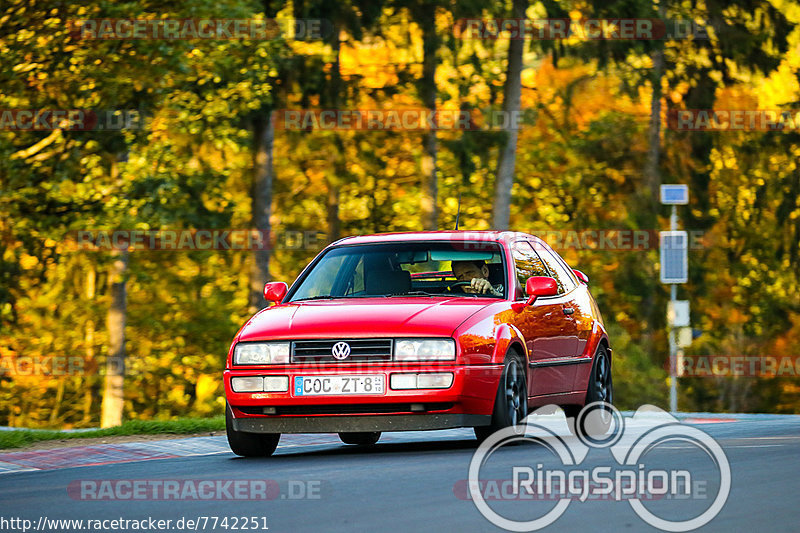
(584, 379)
(509, 339)
(605, 344)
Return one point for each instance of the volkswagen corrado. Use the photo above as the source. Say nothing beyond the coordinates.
(416, 331)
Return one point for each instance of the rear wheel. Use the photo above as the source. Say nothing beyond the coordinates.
(511, 402)
(249, 444)
(360, 438)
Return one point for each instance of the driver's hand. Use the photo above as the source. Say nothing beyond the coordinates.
(480, 286)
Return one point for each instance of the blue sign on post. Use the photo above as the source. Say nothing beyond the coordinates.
(674, 248)
(674, 194)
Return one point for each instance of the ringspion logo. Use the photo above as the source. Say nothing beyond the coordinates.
(630, 441)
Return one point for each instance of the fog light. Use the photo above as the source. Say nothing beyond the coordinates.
(276, 383)
(427, 380)
(441, 380)
(403, 381)
(247, 384)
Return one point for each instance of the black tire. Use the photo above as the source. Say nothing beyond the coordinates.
(511, 401)
(249, 444)
(599, 389)
(572, 410)
(601, 386)
(360, 438)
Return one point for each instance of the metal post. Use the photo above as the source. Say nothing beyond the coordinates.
(673, 341)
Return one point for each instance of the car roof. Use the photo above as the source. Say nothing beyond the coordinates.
(417, 236)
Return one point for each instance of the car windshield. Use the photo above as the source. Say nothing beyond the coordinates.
(405, 269)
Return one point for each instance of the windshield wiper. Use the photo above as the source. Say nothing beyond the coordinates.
(413, 293)
(340, 297)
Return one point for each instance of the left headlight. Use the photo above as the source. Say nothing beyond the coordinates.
(261, 353)
(425, 350)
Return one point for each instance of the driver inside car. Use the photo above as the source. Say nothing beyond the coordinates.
(476, 273)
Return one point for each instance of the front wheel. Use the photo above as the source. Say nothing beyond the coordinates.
(249, 444)
(360, 438)
(511, 402)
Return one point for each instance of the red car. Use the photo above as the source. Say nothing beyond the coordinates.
(416, 331)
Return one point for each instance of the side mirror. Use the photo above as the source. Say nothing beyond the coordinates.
(537, 286)
(581, 276)
(274, 291)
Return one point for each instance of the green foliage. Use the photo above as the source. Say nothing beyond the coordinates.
(182, 426)
(637, 380)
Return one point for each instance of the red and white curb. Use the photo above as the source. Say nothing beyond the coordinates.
(104, 454)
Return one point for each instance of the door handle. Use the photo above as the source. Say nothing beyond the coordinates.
(568, 310)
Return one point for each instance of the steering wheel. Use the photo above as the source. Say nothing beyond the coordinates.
(458, 284)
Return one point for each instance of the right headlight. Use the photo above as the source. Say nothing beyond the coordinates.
(425, 350)
(261, 353)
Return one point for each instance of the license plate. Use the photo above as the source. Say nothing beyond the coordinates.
(325, 385)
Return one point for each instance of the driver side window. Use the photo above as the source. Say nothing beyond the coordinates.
(557, 270)
(526, 263)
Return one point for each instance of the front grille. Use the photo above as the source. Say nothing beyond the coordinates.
(370, 350)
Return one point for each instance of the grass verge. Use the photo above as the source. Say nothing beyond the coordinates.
(183, 426)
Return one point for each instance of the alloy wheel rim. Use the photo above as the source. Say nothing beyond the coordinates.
(515, 384)
(602, 379)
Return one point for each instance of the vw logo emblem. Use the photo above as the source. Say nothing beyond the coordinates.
(340, 350)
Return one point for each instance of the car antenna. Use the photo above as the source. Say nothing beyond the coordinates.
(458, 213)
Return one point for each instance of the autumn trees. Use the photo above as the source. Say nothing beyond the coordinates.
(592, 145)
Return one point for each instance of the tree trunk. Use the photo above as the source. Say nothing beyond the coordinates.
(652, 173)
(430, 45)
(57, 402)
(511, 105)
(88, 364)
(337, 169)
(113, 395)
(332, 207)
(261, 202)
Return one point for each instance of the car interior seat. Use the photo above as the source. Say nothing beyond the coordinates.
(387, 281)
(495, 273)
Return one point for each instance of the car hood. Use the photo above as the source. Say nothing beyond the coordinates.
(406, 317)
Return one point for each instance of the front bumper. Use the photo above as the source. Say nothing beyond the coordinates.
(468, 402)
(336, 424)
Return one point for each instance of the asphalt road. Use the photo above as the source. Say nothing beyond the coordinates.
(410, 482)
